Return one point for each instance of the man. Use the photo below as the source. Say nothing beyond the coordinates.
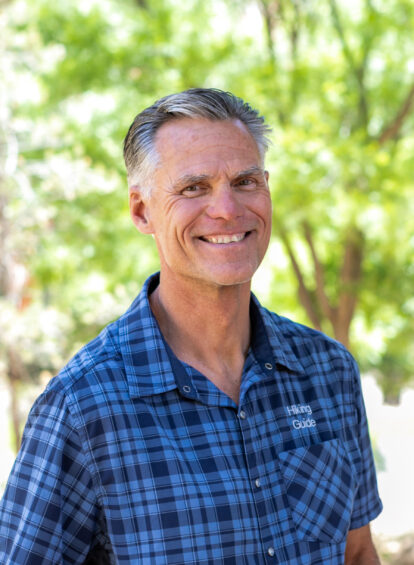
(199, 428)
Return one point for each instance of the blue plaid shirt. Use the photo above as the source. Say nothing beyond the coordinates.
(132, 450)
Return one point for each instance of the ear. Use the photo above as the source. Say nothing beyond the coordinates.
(139, 210)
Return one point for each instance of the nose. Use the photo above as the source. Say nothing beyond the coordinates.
(224, 203)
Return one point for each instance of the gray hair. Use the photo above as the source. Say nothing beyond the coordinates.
(141, 157)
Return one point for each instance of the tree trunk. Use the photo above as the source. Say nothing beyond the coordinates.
(15, 374)
(15, 413)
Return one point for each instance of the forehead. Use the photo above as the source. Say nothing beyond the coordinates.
(203, 146)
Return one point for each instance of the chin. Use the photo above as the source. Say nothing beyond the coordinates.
(231, 279)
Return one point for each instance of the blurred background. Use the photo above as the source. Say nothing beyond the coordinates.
(334, 78)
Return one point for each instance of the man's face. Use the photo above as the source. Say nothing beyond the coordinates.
(209, 209)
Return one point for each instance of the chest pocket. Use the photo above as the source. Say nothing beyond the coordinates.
(320, 486)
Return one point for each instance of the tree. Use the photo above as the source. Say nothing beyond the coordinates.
(339, 83)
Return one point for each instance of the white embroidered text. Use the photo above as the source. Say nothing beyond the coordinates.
(301, 410)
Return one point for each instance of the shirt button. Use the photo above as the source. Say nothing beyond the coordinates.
(257, 483)
(271, 552)
(268, 366)
(242, 414)
(186, 388)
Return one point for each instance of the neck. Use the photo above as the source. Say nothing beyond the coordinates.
(208, 327)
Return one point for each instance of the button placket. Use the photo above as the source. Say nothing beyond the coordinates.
(258, 484)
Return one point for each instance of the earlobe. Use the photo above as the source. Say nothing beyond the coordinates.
(139, 211)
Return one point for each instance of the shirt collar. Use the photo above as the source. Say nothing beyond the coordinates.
(152, 368)
(146, 360)
(269, 343)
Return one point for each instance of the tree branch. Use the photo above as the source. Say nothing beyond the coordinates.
(305, 295)
(142, 4)
(392, 130)
(349, 278)
(270, 24)
(16, 373)
(292, 22)
(321, 295)
(271, 14)
(292, 25)
(357, 71)
(294, 32)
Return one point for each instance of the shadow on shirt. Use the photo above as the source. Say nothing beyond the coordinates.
(97, 556)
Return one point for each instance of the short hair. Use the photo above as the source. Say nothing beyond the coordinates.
(141, 157)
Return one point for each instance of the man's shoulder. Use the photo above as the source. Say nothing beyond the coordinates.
(107, 366)
(306, 343)
(92, 362)
(295, 330)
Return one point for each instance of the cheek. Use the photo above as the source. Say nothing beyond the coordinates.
(269, 209)
(184, 218)
(176, 231)
(264, 211)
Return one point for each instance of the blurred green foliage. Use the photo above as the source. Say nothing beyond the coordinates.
(335, 79)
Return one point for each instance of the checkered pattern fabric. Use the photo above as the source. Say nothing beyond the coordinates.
(130, 450)
(322, 513)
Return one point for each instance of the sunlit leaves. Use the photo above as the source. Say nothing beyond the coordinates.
(75, 74)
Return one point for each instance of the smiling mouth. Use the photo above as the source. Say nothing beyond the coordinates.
(223, 238)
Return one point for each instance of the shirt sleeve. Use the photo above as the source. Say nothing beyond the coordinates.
(49, 512)
(367, 503)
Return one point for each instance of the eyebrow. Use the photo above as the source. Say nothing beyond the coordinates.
(189, 180)
(195, 179)
(251, 171)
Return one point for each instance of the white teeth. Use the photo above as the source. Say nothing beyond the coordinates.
(225, 238)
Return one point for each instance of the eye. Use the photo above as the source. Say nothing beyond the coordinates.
(192, 190)
(247, 182)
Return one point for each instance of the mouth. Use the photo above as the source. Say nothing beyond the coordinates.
(225, 238)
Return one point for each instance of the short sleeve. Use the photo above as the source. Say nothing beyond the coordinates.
(49, 512)
(367, 503)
